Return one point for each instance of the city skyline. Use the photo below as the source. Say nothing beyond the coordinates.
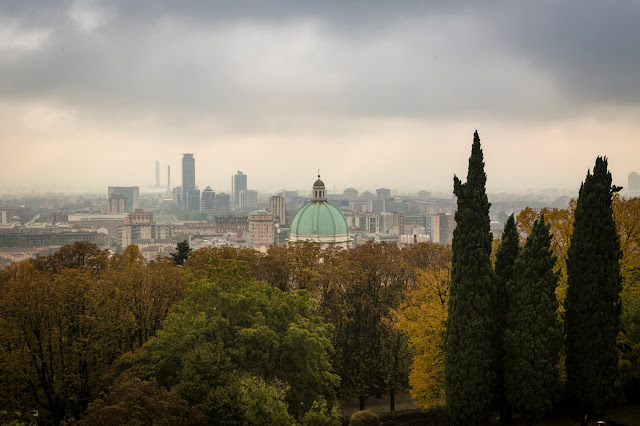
(375, 95)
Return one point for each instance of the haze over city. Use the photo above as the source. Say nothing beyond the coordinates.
(373, 93)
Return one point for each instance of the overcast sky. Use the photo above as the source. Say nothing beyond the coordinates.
(373, 93)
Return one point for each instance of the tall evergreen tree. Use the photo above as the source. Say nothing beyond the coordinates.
(468, 351)
(593, 296)
(503, 272)
(533, 337)
(183, 251)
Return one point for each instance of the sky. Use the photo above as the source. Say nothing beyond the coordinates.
(372, 93)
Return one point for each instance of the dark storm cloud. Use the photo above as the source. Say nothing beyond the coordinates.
(519, 59)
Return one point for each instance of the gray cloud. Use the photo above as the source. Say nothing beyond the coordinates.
(516, 59)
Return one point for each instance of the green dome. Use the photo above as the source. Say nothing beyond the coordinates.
(318, 183)
(319, 218)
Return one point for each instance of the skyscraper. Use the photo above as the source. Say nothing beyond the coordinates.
(188, 179)
(157, 174)
(238, 183)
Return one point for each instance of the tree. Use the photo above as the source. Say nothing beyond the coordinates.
(357, 297)
(65, 318)
(593, 296)
(422, 317)
(468, 351)
(561, 222)
(232, 335)
(533, 337)
(503, 273)
(182, 252)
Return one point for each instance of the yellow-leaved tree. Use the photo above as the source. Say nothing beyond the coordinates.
(422, 317)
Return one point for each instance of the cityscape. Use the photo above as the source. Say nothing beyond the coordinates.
(319, 213)
(155, 218)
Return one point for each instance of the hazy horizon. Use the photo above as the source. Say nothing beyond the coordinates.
(374, 94)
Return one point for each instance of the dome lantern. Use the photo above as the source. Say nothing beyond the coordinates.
(319, 193)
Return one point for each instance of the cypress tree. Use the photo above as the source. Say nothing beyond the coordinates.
(533, 338)
(468, 349)
(503, 272)
(593, 296)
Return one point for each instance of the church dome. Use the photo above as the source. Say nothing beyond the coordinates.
(320, 221)
(319, 218)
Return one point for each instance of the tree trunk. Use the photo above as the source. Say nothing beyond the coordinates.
(361, 402)
(392, 398)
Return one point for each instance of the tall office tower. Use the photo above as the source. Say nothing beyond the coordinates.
(383, 193)
(188, 180)
(277, 207)
(131, 195)
(238, 183)
(634, 184)
(248, 199)
(168, 179)
(208, 202)
(157, 174)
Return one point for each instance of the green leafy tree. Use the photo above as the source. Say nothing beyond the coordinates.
(533, 335)
(593, 296)
(182, 252)
(468, 349)
(503, 273)
(229, 328)
(321, 414)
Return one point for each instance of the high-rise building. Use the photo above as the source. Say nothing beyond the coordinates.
(168, 179)
(208, 202)
(117, 203)
(157, 174)
(383, 193)
(223, 204)
(441, 229)
(248, 199)
(277, 207)
(634, 184)
(238, 183)
(192, 202)
(188, 179)
(131, 195)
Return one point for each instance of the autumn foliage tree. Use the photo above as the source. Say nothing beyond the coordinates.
(422, 317)
(65, 318)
